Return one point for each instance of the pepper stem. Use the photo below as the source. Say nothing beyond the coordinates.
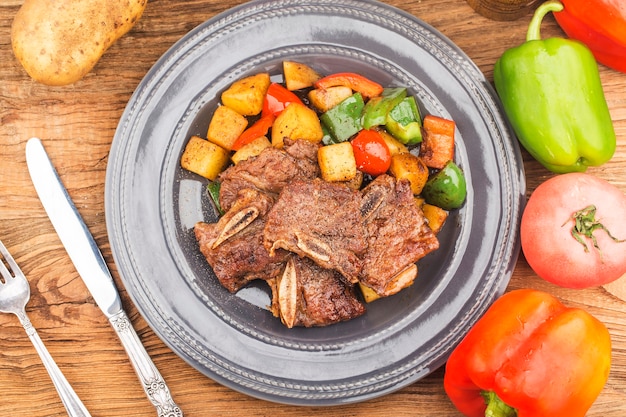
(496, 407)
(534, 32)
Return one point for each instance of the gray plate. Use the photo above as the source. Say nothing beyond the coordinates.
(152, 205)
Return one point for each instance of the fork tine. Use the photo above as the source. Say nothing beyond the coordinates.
(6, 273)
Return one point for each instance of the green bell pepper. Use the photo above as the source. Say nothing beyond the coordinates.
(552, 94)
(344, 120)
(404, 122)
(213, 190)
(447, 188)
(377, 108)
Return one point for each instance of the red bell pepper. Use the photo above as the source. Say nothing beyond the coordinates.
(529, 356)
(599, 24)
(277, 98)
(258, 129)
(356, 82)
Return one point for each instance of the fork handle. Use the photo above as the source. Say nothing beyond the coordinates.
(153, 383)
(73, 404)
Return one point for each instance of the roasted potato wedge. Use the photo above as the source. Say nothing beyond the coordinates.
(246, 95)
(411, 167)
(436, 216)
(299, 76)
(296, 122)
(252, 149)
(204, 158)
(225, 127)
(325, 99)
(337, 162)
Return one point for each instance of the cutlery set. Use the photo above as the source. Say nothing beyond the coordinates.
(91, 266)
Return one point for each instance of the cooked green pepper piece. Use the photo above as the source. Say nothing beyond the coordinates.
(447, 188)
(552, 94)
(344, 120)
(327, 138)
(377, 108)
(213, 189)
(404, 122)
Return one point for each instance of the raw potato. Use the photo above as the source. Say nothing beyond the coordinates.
(58, 42)
(337, 162)
(204, 158)
(225, 127)
(299, 76)
(246, 96)
(297, 121)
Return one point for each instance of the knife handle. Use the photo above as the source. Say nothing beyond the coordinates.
(153, 383)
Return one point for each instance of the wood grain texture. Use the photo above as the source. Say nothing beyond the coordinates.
(78, 123)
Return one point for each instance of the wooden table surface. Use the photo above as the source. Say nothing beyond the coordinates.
(77, 123)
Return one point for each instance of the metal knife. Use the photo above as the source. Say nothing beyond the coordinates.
(90, 264)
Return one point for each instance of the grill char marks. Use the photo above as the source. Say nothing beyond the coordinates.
(312, 240)
(321, 221)
(270, 171)
(234, 245)
(307, 295)
(397, 235)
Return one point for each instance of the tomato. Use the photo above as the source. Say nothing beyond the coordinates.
(277, 98)
(566, 257)
(371, 152)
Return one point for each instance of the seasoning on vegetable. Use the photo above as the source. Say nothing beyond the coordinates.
(552, 94)
(599, 24)
(404, 122)
(344, 120)
(529, 356)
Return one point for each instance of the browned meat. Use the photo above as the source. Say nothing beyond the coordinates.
(270, 171)
(321, 221)
(397, 235)
(307, 295)
(234, 245)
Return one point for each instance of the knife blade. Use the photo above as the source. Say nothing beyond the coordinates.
(92, 268)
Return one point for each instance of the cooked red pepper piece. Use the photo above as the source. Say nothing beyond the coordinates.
(438, 142)
(258, 129)
(277, 98)
(356, 82)
(600, 25)
(371, 152)
(529, 356)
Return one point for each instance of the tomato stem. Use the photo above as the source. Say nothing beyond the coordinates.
(585, 224)
(496, 407)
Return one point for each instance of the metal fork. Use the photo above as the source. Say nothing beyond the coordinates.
(14, 294)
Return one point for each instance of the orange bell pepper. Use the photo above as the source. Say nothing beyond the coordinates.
(529, 356)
